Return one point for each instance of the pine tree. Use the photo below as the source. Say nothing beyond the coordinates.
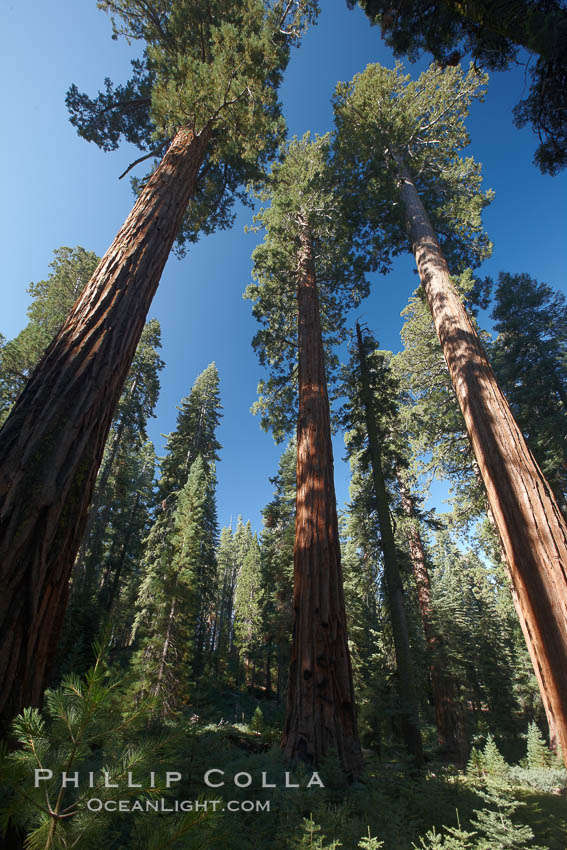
(198, 418)
(371, 669)
(174, 596)
(307, 272)
(494, 822)
(248, 607)
(227, 568)
(176, 600)
(51, 301)
(538, 754)
(486, 654)
(368, 429)
(277, 540)
(205, 89)
(384, 123)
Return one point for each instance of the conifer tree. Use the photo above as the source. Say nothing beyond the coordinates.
(307, 273)
(368, 428)
(175, 605)
(174, 597)
(366, 620)
(483, 642)
(227, 568)
(434, 421)
(51, 301)
(404, 138)
(276, 544)
(277, 541)
(374, 406)
(195, 433)
(491, 34)
(248, 607)
(118, 518)
(205, 92)
(537, 754)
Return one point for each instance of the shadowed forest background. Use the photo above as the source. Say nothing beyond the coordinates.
(202, 599)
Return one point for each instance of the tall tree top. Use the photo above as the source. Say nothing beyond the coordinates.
(383, 115)
(215, 64)
(492, 32)
(195, 435)
(302, 191)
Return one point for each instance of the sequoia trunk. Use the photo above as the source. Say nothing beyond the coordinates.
(448, 717)
(52, 442)
(394, 587)
(320, 714)
(530, 524)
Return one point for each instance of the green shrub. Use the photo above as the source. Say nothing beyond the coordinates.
(543, 779)
(538, 753)
(257, 723)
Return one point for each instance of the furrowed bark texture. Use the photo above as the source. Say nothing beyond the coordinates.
(530, 524)
(394, 588)
(321, 713)
(525, 631)
(52, 442)
(449, 721)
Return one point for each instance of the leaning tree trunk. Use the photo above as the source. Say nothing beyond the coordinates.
(448, 716)
(52, 442)
(394, 587)
(530, 524)
(525, 631)
(320, 713)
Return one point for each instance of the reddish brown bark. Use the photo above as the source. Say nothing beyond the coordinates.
(52, 442)
(394, 587)
(530, 524)
(544, 696)
(448, 717)
(321, 713)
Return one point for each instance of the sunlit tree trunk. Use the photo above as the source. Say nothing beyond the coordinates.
(530, 524)
(525, 631)
(52, 442)
(320, 712)
(394, 588)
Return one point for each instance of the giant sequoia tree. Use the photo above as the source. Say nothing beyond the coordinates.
(205, 89)
(307, 274)
(405, 137)
(492, 32)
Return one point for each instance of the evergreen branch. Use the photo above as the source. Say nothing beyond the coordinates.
(140, 159)
(126, 104)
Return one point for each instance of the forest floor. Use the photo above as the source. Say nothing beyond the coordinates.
(390, 803)
(222, 751)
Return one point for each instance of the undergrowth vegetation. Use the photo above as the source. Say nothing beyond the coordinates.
(86, 731)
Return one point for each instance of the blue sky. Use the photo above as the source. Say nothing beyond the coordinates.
(60, 190)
